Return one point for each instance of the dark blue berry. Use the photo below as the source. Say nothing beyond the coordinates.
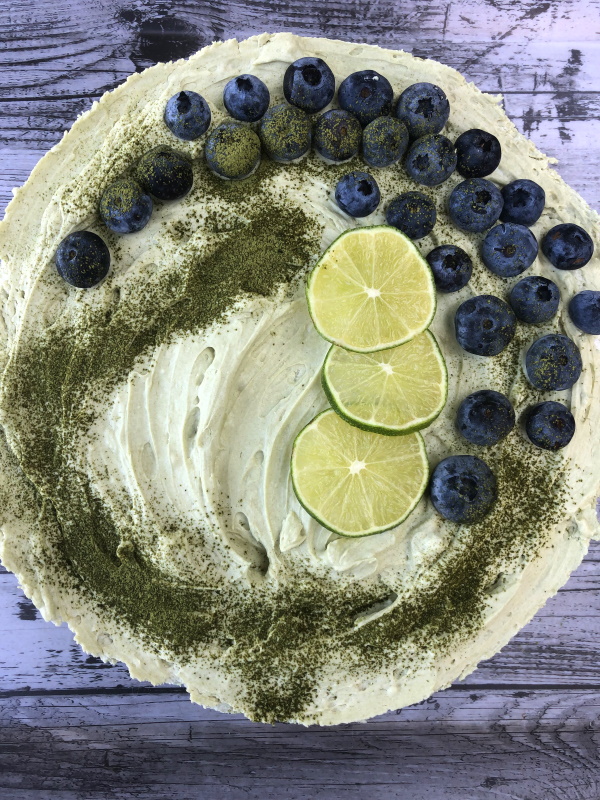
(82, 259)
(337, 135)
(463, 489)
(423, 108)
(125, 207)
(309, 84)
(478, 153)
(246, 98)
(475, 205)
(584, 310)
(286, 133)
(357, 193)
(568, 246)
(553, 363)
(412, 213)
(232, 150)
(187, 115)
(534, 299)
(549, 425)
(164, 173)
(384, 141)
(524, 201)
(484, 325)
(509, 249)
(431, 159)
(367, 95)
(451, 266)
(485, 417)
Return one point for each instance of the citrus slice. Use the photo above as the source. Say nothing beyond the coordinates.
(355, 482)
(393, 391)
(371, 290)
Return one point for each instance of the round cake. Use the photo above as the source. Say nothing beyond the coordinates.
(148, 421)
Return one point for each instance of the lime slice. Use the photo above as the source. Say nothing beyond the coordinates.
(395, 391)
(371, 289)
(355, 482)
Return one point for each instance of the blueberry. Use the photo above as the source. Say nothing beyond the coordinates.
(246, 98)
(553, 363)
(478, 153)
(534, 299)
(463, 489)
(232, 150)
(125, 207)
(568, 246)
(286, 133)
(82, 259)
(384, 141)
(165, 174)
(309, 84)
(524, 201)
(431, 159)
(475, 205)
(423, 108)
(357, 193)
(584, 310)
(337, 135)
(367, 95)
(412, 213)
(451, 266)
(484, 325)
(485, 417)
(187, 115)
(549, 425)
(509, 249)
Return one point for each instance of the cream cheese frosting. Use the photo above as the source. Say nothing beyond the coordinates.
(186, 451)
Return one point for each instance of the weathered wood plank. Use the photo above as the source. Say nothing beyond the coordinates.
(558, 648)
(531, 747)
(503, 67)
(48, 50)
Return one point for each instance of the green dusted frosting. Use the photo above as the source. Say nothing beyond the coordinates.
(276, 639)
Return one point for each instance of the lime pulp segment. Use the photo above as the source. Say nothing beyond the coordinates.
(356, 482)
(371, 290)
(394, 391)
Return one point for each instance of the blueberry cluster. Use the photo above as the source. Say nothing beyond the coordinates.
(83, 258)
(485, 324)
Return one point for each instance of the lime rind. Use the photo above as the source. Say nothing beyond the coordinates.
(364, 423)
(355, 491)
(347, 306)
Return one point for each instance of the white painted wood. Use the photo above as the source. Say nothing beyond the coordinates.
(151, 747)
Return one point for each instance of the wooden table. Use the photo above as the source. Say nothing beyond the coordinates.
(526, 724)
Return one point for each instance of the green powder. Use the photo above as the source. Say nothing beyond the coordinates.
(285, 132)
(120, 197)
(233, 150)
(339, 134)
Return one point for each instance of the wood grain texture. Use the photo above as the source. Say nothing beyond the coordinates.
(537, 748)
(525, 725)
